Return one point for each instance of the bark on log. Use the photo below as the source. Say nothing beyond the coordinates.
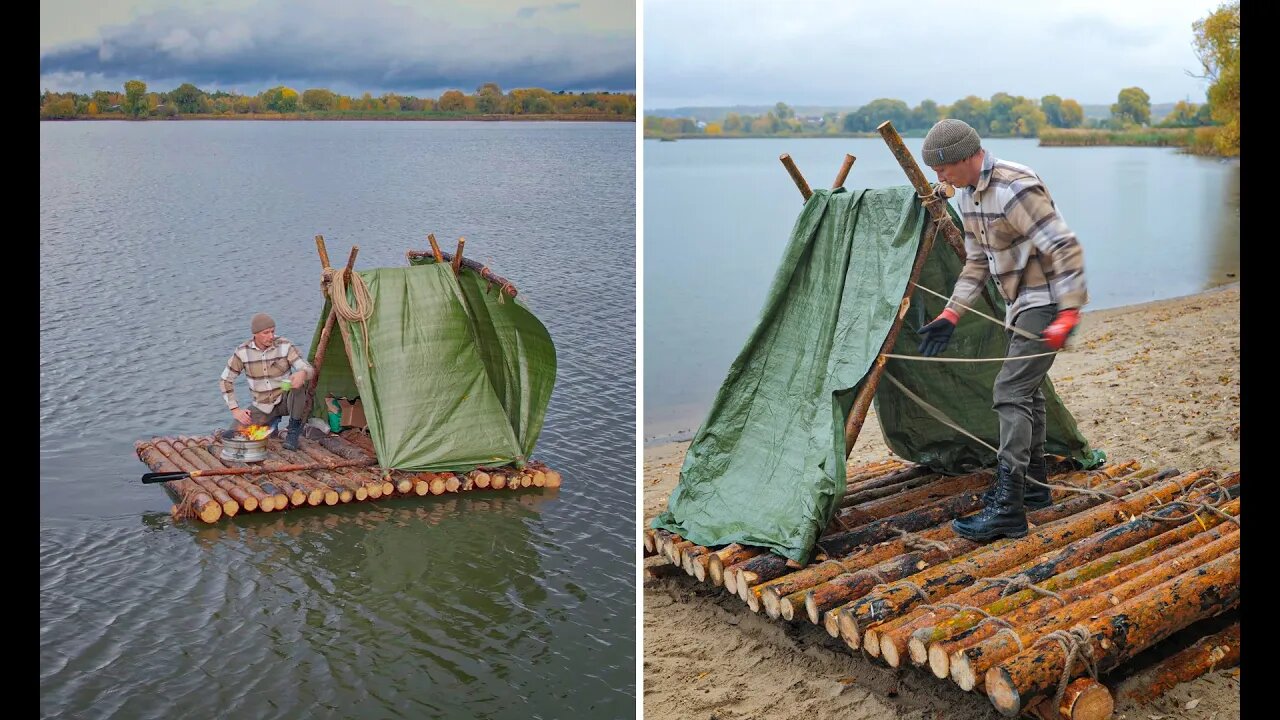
(970, 664)
(1209, 653)
(263, 500)
(894, 634)
(939, 582)
(229, 507)
(729, 557)
(1084, 699)
(480, 269)
(1120, 633)
(962, 629)
(190, 499)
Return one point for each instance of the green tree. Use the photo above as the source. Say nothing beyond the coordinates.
(732, 122)
(925, 115)
(186, 98)
(318, 99)
(1000, 119)
(135, 98)
(1133, 107)
(1217, 44)
(1071, 113)
(1051, 105)
(489, 99)
(1027, 118)
(973, 110)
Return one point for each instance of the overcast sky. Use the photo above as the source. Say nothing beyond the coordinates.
(419, 47)
(849, 52)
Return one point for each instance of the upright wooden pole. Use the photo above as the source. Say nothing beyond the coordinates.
(796, 177)
(457, 256)
(844, 171)
(435, 249)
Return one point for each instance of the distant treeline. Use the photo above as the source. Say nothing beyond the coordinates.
(136, 102)
(1003, 115)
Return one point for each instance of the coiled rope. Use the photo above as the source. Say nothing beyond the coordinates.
(363, 309)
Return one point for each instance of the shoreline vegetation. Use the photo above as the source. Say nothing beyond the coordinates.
(1193, 140)
(1208, 128)
(188, 102)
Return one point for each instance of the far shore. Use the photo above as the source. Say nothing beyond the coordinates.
(327, 117)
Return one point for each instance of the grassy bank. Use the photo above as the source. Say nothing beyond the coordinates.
(358, 115)
(1198, 141)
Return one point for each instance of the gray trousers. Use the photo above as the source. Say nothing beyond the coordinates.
(1017, 397)
(291, 404)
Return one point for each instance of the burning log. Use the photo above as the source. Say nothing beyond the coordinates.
(1121, 632)
(939, 582)
(972, 662)
(894, 634)
(1209, 653)
(189, 498)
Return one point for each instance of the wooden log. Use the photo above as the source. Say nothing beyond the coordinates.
(861, 496)
(437, 485)
(341, 447)
(690, 556)
(435, 248)
(1209, 653)
(482, 480)
(422, 484)
(728, 557)
(954, 632)
(970, 664)
(497, 481)
(893, 636)
(190, 499)
(1121, 632)
(908, 500)
(845, 167)
(873, 474)
(646, 539)
(539, 478)
(262, 500)
(452, 483)
(1083, 699)
(553, 479)
(526, 480)
(188, 450)
(796, 177)
(480, 269)
(457, 256)
(938, 582)
(317, 489)
(673, 551)
(229, 506)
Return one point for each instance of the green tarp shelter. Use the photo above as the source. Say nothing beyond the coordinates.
(460, 376)
(767, 466)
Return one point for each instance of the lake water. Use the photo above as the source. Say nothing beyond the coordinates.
(158, 241)
(1154, 224)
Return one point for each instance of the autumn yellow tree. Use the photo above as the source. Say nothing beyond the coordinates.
(1217, 44)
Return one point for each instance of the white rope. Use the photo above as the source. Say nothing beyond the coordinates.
(942, 359)
(938, 414)
(1001, 323)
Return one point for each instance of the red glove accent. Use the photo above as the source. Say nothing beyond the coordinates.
(1055, 336)
(951, 315)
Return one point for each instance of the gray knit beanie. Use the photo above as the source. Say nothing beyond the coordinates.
(261, 322)
(949, 141)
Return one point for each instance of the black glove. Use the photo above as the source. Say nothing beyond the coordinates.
(935, 336)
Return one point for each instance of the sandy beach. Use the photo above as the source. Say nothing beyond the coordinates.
(1158, 382)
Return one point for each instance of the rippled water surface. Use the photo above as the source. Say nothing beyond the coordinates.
(158, 241)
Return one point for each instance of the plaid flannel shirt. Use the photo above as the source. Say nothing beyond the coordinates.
(265, 369)
(1013, 231)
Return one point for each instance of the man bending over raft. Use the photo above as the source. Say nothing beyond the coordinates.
(1012, 231)
(268, 361)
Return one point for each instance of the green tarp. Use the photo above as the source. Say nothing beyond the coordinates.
(767, 466)
(458, 378)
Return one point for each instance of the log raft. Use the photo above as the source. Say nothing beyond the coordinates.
(1131, 555)
(331, 470)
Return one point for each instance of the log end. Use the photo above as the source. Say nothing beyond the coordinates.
(553, 479)
(267, 504)
(919, 653)
(1086, 699)
(297, 497)
(452, 484)
(388, 488)
(250, 503)
(539, 478)
(769, 599)
(230, 508)
(787, 609)
(315, 497)
(962, 671)
(753, 601)
(700, 571)
(362, 494)
(404, 485)
(831, 623)
(437, 486)
(282, 501)
(422, 487)
(211, 512)
(939, 662)
(345, 495)
(849, 630)
(715, 570)
(498, 481)
(1002, 692)
(481, 480)
(375, 490)
(330, 497)
(526, 480)
(882, 646)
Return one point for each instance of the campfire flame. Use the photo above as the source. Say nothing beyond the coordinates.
(256, 432)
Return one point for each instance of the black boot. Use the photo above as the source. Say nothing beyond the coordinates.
(1034, 496)
(294, 434)
(1002, 517)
